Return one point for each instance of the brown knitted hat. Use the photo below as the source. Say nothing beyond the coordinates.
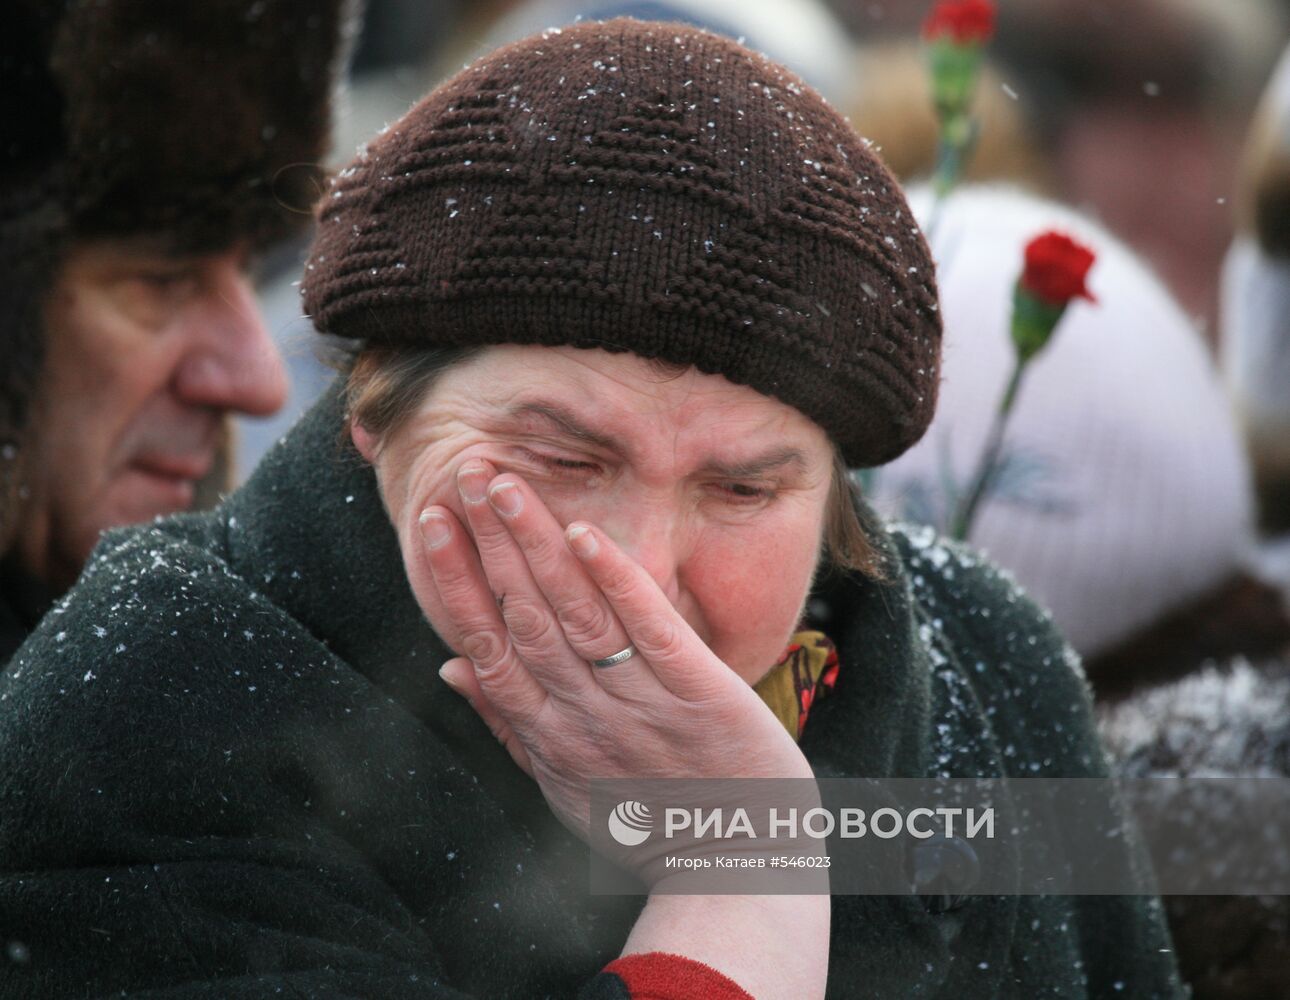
(650, 188)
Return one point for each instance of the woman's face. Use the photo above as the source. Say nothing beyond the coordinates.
(718, 491)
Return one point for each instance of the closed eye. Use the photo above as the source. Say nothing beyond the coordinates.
(557, 462)
(745, 494)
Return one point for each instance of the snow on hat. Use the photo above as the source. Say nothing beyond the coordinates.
(1128, 492)
(650, 188)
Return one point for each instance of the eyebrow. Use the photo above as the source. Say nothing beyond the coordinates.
(569, 424)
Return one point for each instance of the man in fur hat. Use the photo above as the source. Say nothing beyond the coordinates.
(161, 148)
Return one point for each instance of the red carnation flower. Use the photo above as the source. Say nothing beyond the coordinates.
(1056, 267)
(1054, 274)
(967, 22)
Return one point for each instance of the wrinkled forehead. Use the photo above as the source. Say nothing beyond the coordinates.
(605, 398)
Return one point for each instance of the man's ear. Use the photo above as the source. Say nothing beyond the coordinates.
(364, 440)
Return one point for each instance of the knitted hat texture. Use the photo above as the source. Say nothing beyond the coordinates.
(651, 188)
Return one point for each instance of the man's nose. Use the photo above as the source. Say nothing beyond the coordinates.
(234, 363)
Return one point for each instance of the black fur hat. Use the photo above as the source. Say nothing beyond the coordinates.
(202, 122)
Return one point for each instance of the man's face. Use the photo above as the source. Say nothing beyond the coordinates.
(146, 351)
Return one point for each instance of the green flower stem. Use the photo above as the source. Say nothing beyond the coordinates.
(954, 70)
(989, 465)
(1033, 323)
(953, 151)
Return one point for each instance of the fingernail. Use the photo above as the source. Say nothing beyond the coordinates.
(582, 541)
(506, 499)
(443, 676)
(472, 482)
(434, 528)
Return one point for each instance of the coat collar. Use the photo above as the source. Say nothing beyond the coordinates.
(876, 722)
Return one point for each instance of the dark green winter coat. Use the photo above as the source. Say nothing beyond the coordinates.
(228, 768)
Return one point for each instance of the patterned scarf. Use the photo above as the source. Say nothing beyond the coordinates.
(808, 670)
